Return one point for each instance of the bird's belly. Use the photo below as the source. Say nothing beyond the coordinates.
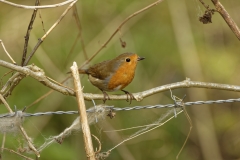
(120, 81)
(101, 84)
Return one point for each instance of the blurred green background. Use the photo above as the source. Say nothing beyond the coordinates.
(176, 45)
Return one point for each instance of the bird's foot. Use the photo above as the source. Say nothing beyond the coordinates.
(131, 97)
(105, 96)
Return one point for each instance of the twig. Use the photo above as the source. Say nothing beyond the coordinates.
(3, 142)
(189, 121)
(31, 146)
(119, 130)
(40, 16)
(52, 80)
(37, 7)
(99, 143)
(11, 84)
(7, 52)
(141, 133)
(75, 14)
(72, 48)
(206, 6)
(28, 32)
(83, 115)
(12, 151)
(119, 27)
(39, 99)
(190, 129)
(230, 22)
(44, 36)
(5, 103)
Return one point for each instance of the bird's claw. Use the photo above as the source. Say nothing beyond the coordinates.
(105, 97)
(130, 98)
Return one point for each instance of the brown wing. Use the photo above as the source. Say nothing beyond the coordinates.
(102, 70)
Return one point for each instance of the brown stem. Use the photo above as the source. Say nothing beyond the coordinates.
(75, 14)
(83, 115)
(28, 33)
(230, 22)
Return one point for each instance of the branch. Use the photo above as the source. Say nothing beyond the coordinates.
(223, 12)
(12, 82)
(184, 84)
(37, 7)
(37, 73)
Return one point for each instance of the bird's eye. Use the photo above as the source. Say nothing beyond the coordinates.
(128, 59)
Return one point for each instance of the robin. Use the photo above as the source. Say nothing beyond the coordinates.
(113, 75)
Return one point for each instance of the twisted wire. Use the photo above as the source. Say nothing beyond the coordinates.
(178, 104)
(108, 108)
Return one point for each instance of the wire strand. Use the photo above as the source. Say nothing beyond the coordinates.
(108, 108)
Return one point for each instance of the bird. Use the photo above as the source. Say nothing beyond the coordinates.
(113, 75)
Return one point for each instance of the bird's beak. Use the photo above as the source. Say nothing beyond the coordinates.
(140, 58)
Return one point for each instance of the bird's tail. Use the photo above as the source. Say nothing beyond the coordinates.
(81, 71)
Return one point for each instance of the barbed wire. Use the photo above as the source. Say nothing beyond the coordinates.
(178, 104)
(108, 108)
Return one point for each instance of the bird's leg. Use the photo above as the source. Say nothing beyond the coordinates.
(105, 96)
(131, 97)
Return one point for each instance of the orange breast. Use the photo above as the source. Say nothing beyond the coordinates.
(122, 77)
